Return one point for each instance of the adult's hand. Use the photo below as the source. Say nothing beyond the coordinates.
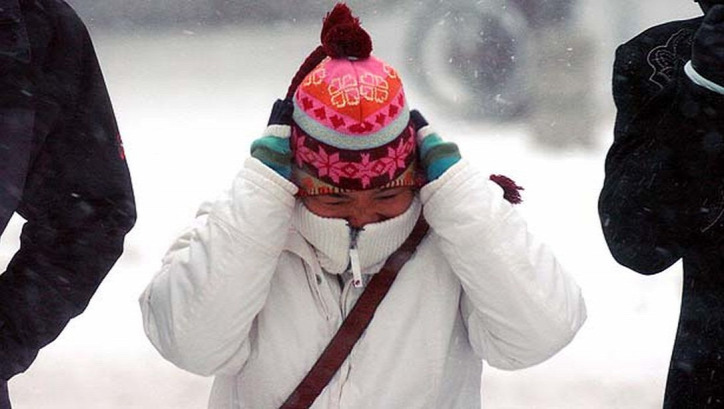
(707, 52)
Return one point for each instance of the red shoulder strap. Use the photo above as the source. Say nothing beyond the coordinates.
(355, 324)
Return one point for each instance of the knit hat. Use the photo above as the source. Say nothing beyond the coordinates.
(351, 124)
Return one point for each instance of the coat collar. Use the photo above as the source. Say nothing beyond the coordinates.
(331, 238)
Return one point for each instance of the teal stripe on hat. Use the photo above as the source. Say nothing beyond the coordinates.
(351, 142)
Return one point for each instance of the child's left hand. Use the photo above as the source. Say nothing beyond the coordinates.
(436, 156)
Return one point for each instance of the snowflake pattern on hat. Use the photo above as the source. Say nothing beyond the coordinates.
(351, 124)
(354, 170)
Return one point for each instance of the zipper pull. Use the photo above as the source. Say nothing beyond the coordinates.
(356, 269)
(354, 259)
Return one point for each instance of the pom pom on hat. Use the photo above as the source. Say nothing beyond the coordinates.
(343, 36)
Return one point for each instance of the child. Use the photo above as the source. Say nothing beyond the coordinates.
(255, 291)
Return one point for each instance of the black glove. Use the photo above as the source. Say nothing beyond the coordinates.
(281, 113)
(707, 51)
(418, 121)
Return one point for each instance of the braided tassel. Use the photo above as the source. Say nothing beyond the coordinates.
(510, 188)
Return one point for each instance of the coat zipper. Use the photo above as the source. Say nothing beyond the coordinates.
(357, 282)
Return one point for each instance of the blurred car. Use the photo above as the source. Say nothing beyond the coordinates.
(505, 60)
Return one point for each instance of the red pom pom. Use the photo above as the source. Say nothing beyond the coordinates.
(343, 36)
(510, 188)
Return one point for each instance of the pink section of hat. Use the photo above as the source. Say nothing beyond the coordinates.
(352, 97)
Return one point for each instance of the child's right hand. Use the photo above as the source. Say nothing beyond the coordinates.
(707, 51)
(273, 148)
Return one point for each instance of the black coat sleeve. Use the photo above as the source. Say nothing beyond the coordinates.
(16, 111)
(77, 198)
(662, 193)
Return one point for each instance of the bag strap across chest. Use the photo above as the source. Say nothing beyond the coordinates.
(355, 324)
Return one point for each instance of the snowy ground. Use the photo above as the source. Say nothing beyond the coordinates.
(189, 102)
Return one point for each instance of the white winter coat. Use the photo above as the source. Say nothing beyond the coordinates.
(251, 294)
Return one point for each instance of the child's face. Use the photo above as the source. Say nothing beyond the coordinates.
(362, 207)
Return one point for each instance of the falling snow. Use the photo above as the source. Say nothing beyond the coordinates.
(189, 102)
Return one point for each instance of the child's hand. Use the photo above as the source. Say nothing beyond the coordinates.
(707, 51)
(273, 148)
(436, 156)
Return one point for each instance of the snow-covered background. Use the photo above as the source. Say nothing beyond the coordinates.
(189, 100)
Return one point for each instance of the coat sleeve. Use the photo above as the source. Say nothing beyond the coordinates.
(16, 108)
(519, 306)
(215, 278)
(76, 197)
(662, 193)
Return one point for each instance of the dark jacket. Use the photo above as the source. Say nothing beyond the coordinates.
(663, 197)
(62, 168)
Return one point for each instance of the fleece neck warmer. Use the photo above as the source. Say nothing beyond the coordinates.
(332, 238)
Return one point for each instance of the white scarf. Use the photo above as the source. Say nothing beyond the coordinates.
(331, 238)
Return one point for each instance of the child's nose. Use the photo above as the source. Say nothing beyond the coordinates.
(362, 217)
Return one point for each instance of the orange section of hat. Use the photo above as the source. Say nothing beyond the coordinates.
(355, 88)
